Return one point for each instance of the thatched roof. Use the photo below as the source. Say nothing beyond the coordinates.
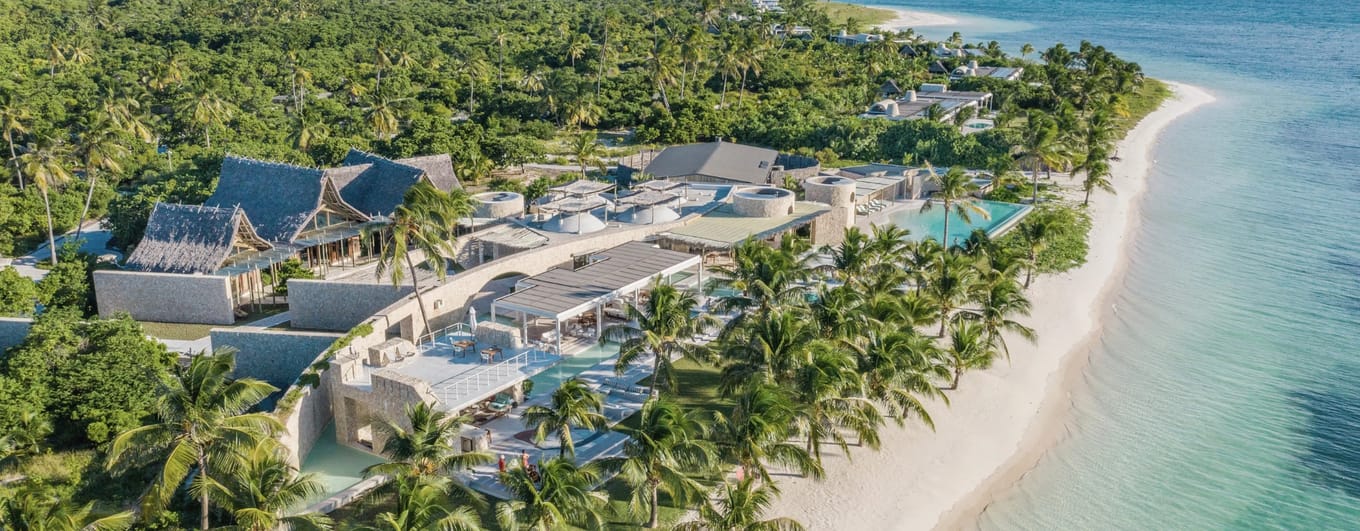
(193, 239)
(438, 169)
(373, 184)
(279, 198)
(659, 185)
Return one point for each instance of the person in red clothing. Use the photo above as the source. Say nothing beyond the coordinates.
(500, 464)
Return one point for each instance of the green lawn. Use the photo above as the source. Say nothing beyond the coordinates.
(1147, 99)
(189, 332)
(867, 17)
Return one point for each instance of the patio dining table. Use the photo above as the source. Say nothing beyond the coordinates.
(489, 354)
(462, 346)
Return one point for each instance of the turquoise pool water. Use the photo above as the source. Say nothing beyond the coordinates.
(930, 223)
(336, 466)
(550, 379)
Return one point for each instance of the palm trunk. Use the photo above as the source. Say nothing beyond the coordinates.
(207, 137)
(415, 284)
(944, 238)
(655, 520)
(723, 100)
(958, 372)
(1087, 200)
(203, 498)
(1035, 177)
(656, 370)
(377, 85)
(665, 100)
(89, 194)
(15, 159)
(51, 237)
(741, 94)
(1029, 271)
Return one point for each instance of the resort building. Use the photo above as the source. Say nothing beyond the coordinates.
(931, 101)
(766, 213)
(996, 72)
(203, 264)
(728, 163)
(478, 370)
(855, 39)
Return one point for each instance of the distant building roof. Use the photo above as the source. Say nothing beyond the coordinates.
(889, 88)
(721, 160)
(582, 187)
(279, 198)
(193, 239)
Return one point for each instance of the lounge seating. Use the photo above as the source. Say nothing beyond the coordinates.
(501, 403)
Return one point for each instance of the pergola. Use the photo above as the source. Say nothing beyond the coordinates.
(582, 188)
(590, 283)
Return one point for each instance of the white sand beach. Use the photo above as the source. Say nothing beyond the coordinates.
(1002, 419)
(914, 19)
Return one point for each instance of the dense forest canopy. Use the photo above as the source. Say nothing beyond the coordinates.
(131, 93)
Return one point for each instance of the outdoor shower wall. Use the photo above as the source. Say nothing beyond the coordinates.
(165, 297)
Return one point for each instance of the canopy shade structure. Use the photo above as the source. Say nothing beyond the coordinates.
(582, 188)
(564, 292)
(573, 205)
(647, 198)
(659, 185)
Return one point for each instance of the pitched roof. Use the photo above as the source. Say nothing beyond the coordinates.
(722, 160)
(938, 67)
(372, 184)
(192, 239)
(437, 168)
(890, 88)
(280, 198)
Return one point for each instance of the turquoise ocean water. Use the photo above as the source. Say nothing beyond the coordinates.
(1225, 390)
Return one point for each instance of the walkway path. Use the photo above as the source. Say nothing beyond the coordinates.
(93, 241)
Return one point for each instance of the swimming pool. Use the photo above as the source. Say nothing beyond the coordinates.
(336, 466)
(570, 366)
(930, 224)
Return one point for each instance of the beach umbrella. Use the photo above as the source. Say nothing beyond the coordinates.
(472, 319)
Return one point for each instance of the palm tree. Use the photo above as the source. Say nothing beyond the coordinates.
(953, 284)
(665, 323)
(308, 133)
(99, 148)
(968, 349)
(45, 164)
(756, 434)
(424, 506)
(661, 63)
(384, 118)
(830, 393)
(260, 489)
(1036, 231)
(583, 112)
(740, 508)
(900, 368)
(1039, 146)
(423, 223)
(1097, 170)
(34, 507)
(956, 191)
(206, 110)
(729, 66)
(586, 150)
(425, 450)
(999, 298)
(1026, 49)
(667, 446)
(768, 349)
(563, 495)
(202, 414)
(14, 120)
(382, 60)
(576, 47)
(574, 405)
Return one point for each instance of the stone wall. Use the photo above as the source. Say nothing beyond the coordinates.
(307, 421)
(13, 330)
(165, 297)
(499, 335)
(275, 356)
(796, 166)
(338, 306)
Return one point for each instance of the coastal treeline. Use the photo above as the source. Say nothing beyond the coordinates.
(109, 107)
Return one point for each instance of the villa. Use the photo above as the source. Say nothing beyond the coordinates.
(855, 39)
(201, 264)
(931, 100)
(996, 72)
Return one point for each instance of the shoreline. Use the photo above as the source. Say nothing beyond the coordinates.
(1003, 419)
(906, 18)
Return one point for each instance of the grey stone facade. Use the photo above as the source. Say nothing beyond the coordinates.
(165, 297)
(275, 356)
(338, 306)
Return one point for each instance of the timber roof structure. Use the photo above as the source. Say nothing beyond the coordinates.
(193, 239)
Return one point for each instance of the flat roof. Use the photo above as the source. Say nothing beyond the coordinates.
(723, 227)
(647, 198)
(562, 292)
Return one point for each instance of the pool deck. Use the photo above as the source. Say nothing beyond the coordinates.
(884, 216)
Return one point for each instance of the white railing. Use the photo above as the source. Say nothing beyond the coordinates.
(454, 390)
(430, 338)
